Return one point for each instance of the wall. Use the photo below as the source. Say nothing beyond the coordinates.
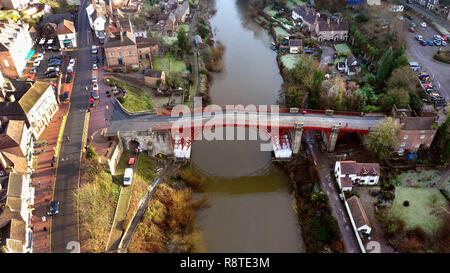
(115, 156)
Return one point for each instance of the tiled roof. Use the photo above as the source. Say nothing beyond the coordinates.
(360, 169)
(346, 181)
(332, 26)
(153, 73)
(15, 183)
(125, 40)
(13, 135)
(19, 162)
(308, 15)
(66, 27)
(33, 94)
(295, 42)
(358, 213)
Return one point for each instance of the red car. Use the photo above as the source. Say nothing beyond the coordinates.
(444, 38)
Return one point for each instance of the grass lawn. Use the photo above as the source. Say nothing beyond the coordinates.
(279, 31)
(169, 40)
(290, 60)
(291, 4)
(185, 27)
(136, 99)
(342, 49)
(425, 208)
(169, 64)
(269, 11)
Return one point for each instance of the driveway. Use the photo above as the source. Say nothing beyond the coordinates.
(327, 57)
(438, 71)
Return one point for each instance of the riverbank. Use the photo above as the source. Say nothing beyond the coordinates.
(320, 230)
(169, 225)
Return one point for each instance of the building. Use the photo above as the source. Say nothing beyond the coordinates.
(151, 77)
(358, 216)
(66, 34)
(121, 50)
(374, 2)
(352, 66)
(36, 105)
(330, 30)
(171, 24)
(182, 11)
(15, 45)
(295, 46)
(351, 173)
(306, 16)
(14, 4)
(147, 47)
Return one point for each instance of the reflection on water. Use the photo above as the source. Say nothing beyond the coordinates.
(250, 198)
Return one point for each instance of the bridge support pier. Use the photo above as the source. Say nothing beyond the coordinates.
(333, 138)
(297, 139)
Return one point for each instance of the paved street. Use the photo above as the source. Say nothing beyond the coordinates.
(337, 208)
(64, 227)
(424, 56)
(441, 21)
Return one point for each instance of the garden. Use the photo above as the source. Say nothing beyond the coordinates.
(135, 99)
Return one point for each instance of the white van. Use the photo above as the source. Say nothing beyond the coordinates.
(94, 49)
(128, 176)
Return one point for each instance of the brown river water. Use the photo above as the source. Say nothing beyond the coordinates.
(250, 198)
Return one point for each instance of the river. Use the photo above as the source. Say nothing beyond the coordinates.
(251, 204)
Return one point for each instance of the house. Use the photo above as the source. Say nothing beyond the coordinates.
(19, 195)
(306, 16)
(358, 215)
(182, 11)
(352, 66)
(14, 4)
(15, 45)
(349, 173)
(66, 34)
(330, 31)
(121, 50)
(415, 131)
(151, 77)
(12, 232)
(16, 146)
(147, 47)
(295, 46)
(35, 105)
(171, 24)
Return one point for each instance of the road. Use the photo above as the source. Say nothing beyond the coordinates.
(64, 227)
(337, 208)
(441, 21)
(438, 71)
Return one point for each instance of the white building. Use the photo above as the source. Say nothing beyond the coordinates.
(352, 66)
(350, 173)
(39, 105)
(66, 34)
(15, 45)
(358, 216)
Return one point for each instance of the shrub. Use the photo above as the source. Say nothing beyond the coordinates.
(90, 153)
(121, 99)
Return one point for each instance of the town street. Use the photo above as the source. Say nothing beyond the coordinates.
(64, 228)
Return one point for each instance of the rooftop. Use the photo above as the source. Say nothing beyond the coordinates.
(358, 213)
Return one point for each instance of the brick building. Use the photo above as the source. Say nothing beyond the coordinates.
(121, 50)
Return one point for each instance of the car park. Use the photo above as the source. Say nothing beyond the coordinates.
(69, 78)
(54, 208)
(94, 95)
(423, 24)
(94, 67)
(65, 96)
(95, 86)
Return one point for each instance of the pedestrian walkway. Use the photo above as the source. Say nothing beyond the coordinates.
(43, 179)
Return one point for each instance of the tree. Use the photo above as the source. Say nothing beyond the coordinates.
(400, 96)
(383, 137)
(203, 31)
(183, 41)
(386, 65)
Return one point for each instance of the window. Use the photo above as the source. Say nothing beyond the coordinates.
(6, 63)
(131, 54)
(112, 54)
(371, 180)
(422, 136)
(405, 137)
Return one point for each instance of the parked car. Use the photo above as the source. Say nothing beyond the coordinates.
(412, 24)
(69, 78)
(51, 69)
(94, 79)
(437, 37)
(65, 96)
(54, 208)
(40, 57)
(419, 38)
(422, 42)
(410, 17)
(443, 43)
(51, 75)
(94, 59)
(55, 61)
(53, 48)
(341, 196)
(430, 43)
(444, 37)
(54, 65)
(95, 87)
(59, 57)
(70, 69)
(94, 66)
(437, 42)
(411, 29)
(94, 49)
(128, 177)
(423, 24)
(72, 62)
(94, 95)
(36, 63)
